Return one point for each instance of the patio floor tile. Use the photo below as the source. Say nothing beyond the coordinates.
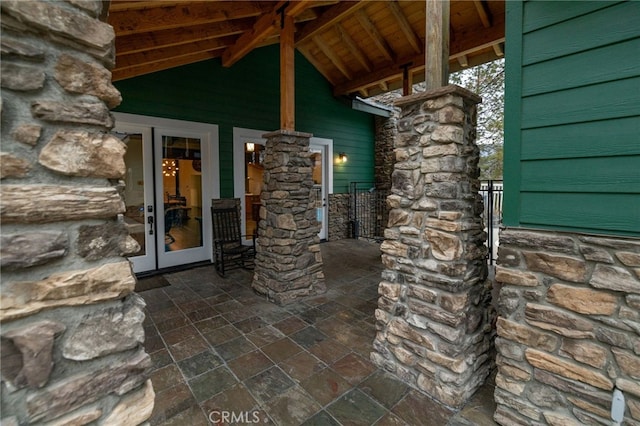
(281, 350)
(292, 407)
(385, 388)
(235, 348)
(308, 337)
(236, 399)
(290, 325)
(198, 364)
(325, 386)
(211, 383)
(269, 384)
(216, 345)
(249, 364)
(415, 407)
(322, 418)
(356, 408)
(353, 368)
(302, 366)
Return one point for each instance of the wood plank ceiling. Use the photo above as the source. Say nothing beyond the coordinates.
(360, 47)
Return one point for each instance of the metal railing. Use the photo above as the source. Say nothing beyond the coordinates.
(492, 197)
(368, 212)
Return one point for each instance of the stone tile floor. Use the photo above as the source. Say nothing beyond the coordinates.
(224, 355)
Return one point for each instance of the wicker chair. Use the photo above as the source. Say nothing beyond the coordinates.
(228, 251)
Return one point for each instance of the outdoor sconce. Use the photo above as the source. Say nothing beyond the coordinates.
(342, 157)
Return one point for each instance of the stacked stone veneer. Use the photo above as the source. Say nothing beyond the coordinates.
(386, 131)
(71, 326)
(288, 259)
(434, 316)
(569, 327)
(339, 226)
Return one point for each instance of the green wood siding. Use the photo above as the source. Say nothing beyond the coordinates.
(572, 116)
(247, 95)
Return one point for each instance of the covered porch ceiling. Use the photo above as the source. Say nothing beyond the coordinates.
(360, 47)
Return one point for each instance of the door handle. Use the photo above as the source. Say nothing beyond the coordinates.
(150, 222)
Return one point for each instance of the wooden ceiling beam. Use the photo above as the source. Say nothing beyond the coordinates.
(329, 53)
(375, 35)
(327, 19)
(498, 48)
(408, 32)
(263, 28)
(304, 49)
(166, 38)
(180, 15)
(468, 45)
(379, 76)
(166, 53)
(353, 48)
(483, 12)
(123, 74)
(125, 5)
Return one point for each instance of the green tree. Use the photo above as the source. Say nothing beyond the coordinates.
(487, 80)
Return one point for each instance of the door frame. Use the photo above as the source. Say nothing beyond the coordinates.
(242, 135)
(326, 147)
(210, 148)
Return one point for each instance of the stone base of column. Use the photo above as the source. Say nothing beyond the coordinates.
(434, 316)
(288, 260)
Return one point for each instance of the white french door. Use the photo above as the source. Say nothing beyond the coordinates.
(172, 174)
(321, 151)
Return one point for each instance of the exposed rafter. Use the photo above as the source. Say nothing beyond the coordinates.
(483, 12)
(353, 48)
(179, 16)
(172, 37)
(357, 45)
(327, 19)
(375, 36)
(408, 32)
(329, 53)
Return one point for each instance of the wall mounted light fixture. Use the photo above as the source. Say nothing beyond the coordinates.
(342, 157)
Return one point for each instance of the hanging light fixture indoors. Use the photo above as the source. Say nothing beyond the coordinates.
(169, 167)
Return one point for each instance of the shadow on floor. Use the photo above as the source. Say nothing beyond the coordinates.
(223, 355)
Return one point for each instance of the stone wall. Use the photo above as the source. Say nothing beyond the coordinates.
(339, 226)
(386, 131)
(434, 316)
(568, 328)
(71, 337)
(288, 258)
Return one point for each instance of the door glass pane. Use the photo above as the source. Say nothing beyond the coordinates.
(316, 192)
(182, 189)
(254, 157)
(134, 217)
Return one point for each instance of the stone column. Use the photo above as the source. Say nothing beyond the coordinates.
(71, 325)
(288, 260)
(434, 316)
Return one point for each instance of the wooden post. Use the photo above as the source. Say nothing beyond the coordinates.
(287, 74)
(407, 80)
(437, 44)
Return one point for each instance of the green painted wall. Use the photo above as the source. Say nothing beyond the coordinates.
(247, 95)
(572, 116)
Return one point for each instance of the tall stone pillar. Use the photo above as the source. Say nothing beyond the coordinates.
(71, 326)
(288, 260)
(433, 316)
